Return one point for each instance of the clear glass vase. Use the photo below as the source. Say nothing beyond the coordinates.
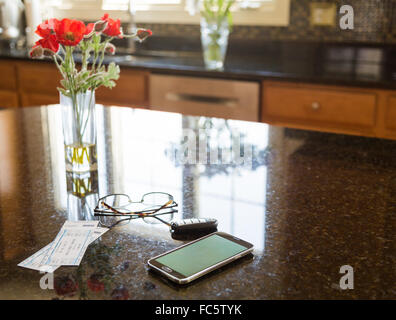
(214, 38)
(79, 131)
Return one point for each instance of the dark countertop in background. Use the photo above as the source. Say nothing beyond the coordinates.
(309, 202)
(363, 65)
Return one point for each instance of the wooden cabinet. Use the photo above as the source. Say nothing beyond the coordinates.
(390, 114)
(8, 84)
(230, 99)
(131, 90)
(8, 75)
(8, 99)
(37, 83)
(322, 108)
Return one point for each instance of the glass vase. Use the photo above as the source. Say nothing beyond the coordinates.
(79, 131)
(214, 38)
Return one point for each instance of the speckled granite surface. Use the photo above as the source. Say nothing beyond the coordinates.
(309, 202)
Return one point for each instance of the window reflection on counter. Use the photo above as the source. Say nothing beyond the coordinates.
(143, 143)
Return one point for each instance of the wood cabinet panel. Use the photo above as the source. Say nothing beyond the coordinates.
(336, 109)
(8, 99)
(131, 90)
(229, 99)
(390, 114)
(8, 75)
(38, 78)
(38, 99)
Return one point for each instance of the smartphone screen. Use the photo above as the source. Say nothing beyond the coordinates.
(200, 255)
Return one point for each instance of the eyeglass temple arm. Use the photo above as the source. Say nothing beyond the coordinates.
(163, 221)
(111, 208)
(162, 207)
(140, 214)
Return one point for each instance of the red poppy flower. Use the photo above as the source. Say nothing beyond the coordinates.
(89, 28)
(70, 32)
(47, 28)
(113, 28)
(50, 43)
(36, 52)
(144, 33)
(110, 49)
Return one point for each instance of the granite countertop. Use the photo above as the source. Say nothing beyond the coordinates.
(309, 202)
(364, 65)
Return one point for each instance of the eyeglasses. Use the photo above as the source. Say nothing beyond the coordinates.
(154, 207)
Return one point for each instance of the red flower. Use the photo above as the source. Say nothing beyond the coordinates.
(36, 52)
(65, 286)
(94, 283)
(70, 32)
(110, 49)
(120, 293)
(49, 43)
(89, 28)
(144, 33)
(47, 28)
(113, 28)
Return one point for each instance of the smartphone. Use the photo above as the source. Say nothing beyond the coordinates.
(197, 258)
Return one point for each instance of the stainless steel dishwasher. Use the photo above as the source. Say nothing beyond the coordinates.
(231, 99)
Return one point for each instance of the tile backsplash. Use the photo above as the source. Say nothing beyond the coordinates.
(375, 22)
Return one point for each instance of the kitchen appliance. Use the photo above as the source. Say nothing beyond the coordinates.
(11, 19)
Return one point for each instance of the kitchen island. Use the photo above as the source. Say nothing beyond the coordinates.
(309, 202)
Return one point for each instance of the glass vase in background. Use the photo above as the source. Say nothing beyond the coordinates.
(214, 38)
(79, 131)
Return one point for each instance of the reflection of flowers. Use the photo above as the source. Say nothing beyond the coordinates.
(65, 286)
(95, 276)
(95, 283)
(120, 293)
(215, 139)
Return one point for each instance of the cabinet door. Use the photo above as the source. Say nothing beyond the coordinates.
(37, 80)
(38, 99)
(8, 99)
(130, 90)
(325, 108)
(390, 115)
(8, 75)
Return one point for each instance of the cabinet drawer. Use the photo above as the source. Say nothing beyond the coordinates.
(205, 97)
(8, 99)
(38, 99)
(8, 75)
(390, 115)
(317, 105)
(39, 78)
(131, 89)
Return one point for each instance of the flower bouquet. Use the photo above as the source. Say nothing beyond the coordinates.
(61, 40)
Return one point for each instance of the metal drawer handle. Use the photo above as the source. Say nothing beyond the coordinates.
(315, 105)
(230, 102)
